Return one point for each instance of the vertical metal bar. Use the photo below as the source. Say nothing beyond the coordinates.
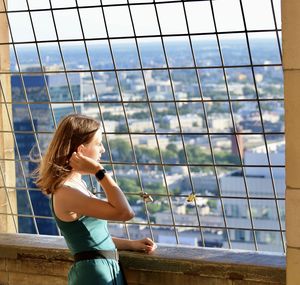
(280, 53)
(263, 128)
(90, 70)
(29, 111)
(17, 149)
(276, 28)
(235, 130)
(41, 66)
(62, 58)
(7, 197)
(207, 129)
(126, 119)
(97, 97)
(179, 124)
(154, 128)
(45, 81)
(2, 174)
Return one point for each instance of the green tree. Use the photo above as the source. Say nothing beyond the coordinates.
(132, 186)
(111, 117)
(247, 90)
(121, 128)
(121, 150)
(146, 154)
(154, 207)
(172, 147)
(156, 188)
(140, 115)
(195, 155)
(212, 204)
(224, 157)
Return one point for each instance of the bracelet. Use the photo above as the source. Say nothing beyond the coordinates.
(100, 174)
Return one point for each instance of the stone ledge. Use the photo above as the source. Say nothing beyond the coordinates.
(213, 263)
(203, 262)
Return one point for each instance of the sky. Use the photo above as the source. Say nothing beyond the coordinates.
(258, 15)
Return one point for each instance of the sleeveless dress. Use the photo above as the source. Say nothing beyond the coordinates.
(86, 234)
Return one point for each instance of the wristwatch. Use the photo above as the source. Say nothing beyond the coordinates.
(100, 174)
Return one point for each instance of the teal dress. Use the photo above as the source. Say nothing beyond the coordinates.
(86, 234)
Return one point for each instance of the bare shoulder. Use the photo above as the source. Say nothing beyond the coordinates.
(67, 194)
(71, 203)
(71, 198)
(62, 201)
(63, 191)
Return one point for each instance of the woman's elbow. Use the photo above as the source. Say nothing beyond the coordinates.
(127, 215)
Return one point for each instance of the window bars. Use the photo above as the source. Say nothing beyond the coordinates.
(190, 98)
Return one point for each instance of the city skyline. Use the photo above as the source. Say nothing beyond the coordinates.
(199, 157)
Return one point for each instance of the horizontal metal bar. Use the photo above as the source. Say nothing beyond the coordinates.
(158, 36)
(158, 133)
(49, 72)
(159, 225)
(203, 227)
(100, 6)
(200, 100)
(181, 164)
(198, 195)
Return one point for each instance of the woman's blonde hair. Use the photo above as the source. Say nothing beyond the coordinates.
(72, 131)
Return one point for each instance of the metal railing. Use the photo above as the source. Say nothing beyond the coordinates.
(197, 101)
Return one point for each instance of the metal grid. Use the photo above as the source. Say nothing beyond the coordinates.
(206, 227)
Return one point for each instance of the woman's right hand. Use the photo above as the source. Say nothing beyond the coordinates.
(84, 164)
(146, 244)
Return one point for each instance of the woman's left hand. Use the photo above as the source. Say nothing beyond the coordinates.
(146, 244)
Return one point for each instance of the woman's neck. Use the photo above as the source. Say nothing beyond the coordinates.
(75, 175)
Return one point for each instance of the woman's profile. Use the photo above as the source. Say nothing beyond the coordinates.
(75, 150)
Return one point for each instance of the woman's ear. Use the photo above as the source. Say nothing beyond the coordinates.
(80, 149)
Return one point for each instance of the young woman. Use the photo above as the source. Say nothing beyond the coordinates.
(75, 150)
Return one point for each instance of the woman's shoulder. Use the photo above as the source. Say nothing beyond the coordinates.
(65, 196)
(71, 191)
(63, 201)
(63, 190)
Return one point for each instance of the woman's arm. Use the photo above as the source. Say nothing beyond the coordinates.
(146, 244)
(115, 208)
(115, 197)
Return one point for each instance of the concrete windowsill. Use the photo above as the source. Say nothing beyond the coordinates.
(217, 263)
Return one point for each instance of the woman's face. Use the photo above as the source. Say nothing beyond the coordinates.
(94, 148)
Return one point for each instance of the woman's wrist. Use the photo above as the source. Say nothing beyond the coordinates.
(97, 168)
(128, 244)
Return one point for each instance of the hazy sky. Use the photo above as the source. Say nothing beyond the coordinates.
(258, 14)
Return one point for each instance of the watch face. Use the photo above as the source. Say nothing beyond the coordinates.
(100, 174)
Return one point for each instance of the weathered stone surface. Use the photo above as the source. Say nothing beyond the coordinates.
(292, 135)
(292, 217)
(3, 277)
(17, 278)
(291, 35)
(239, 282)
(293, 262)
(36, 258)
(150, 278)
(214, 263)
(39, 266)
(33, 242)
(2, 265)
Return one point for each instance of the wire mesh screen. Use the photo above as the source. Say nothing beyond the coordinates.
(190, 98)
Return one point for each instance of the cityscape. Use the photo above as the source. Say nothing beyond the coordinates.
(194, 139)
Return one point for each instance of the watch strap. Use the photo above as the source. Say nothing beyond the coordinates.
(100, 174)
